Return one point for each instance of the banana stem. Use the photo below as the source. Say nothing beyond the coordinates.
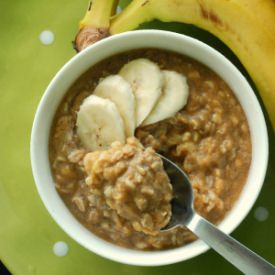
(95, 24)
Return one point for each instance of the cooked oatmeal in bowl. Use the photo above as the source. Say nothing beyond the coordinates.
(208, 138)
(122, 109)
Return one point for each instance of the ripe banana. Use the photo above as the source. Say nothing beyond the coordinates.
(95, 24)
(146, 80)
(99, 123)
(245, 26)
(119, 91)
(174, 96)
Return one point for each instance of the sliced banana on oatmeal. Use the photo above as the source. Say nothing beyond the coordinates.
(119, 91)
(174, 96)
(99, 123)
(146, 81)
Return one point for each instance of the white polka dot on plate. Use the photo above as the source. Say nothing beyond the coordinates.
(60, 249)
(261, 214)
(46, 37)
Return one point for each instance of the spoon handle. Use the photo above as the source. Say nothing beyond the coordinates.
(240, 256)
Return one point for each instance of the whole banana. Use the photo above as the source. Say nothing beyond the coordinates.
(247, 27)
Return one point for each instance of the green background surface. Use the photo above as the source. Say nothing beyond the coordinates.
(27, 232)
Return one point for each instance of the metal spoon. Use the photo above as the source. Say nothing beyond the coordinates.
(183, 213)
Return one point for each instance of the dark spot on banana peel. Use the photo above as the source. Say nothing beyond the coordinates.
(145, 3)
(88, 36)
(90, 5)
(210, 15)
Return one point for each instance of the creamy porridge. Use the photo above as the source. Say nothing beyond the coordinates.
(129, 186)
(122, 193)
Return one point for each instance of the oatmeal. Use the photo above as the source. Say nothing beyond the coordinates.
(132, 186)
(209, 139)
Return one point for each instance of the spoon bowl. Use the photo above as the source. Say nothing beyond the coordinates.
(183, 196)
(183, 213)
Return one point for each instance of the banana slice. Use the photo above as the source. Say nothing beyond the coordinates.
(119, 91)
(99, 123)
(174, 97)
(146, 80)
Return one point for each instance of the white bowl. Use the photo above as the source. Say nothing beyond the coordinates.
(117, 44)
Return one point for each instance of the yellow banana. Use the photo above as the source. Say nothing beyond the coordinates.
(263, 11)
(245, 26)
(95, 24)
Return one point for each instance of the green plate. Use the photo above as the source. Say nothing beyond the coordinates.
(27, 232)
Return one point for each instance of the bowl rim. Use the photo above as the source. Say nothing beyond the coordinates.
(40, 134)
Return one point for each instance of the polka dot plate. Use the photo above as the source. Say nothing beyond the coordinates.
(35, 42)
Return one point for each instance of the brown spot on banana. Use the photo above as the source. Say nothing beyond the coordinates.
(90, 5)
(145, 3)
(210, 15)
(213, 17)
